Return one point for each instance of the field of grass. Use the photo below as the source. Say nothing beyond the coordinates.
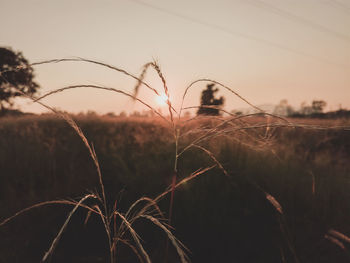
(281, 195)
(240, 188)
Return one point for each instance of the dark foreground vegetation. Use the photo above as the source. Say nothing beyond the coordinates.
(220, 218)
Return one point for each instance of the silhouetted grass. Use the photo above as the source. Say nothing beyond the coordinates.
(272, 193)
(42, 159)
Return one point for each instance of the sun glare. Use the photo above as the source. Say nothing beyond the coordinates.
(162, 99)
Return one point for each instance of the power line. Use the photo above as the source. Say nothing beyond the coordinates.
(341, 4)
(297, 19)
(338, 5)
(242, 35)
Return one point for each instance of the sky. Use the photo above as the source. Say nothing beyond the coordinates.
(265, 50)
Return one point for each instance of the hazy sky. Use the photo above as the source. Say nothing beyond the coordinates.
(267, 50)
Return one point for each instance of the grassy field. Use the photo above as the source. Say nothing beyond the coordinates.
(281, 195)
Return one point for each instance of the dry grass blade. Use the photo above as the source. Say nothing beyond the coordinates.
(141, 78)
(87, 218)
(313, 186)
(156, 67)
(150, 201)
(274, 202)
(102, 88)
(335, 241)
(234, 117)
(173, 183)
(212, 156)
(135, 236)
(339, 235)
(113, 219)
(183, 181)
(133, 248)
(284, 230)
(77, 59)
(54, 202)
(255, 143)
(214, 131)
(132, 218)
(222, 85)
(166, 90)
(107, 228)
(97, 63)
(171, 237)
(142, 212)
(239, 119)
(57, 238)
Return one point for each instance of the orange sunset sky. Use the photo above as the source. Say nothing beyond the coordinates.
(265, 50)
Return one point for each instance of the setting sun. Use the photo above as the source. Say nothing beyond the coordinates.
(162, 99)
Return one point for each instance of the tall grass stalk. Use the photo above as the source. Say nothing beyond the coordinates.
(106, 215)
(150, 210)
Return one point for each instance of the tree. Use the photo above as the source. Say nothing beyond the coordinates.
(209, 104)
(16, 76)
(283, 109)
(318, 106)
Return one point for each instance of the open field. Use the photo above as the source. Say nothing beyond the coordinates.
(175, 131)
(220, 218)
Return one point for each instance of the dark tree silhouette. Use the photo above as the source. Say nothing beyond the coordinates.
(209, 104)
(318, 106)
(15, 75)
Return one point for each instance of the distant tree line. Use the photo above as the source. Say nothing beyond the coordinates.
(315, 110)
